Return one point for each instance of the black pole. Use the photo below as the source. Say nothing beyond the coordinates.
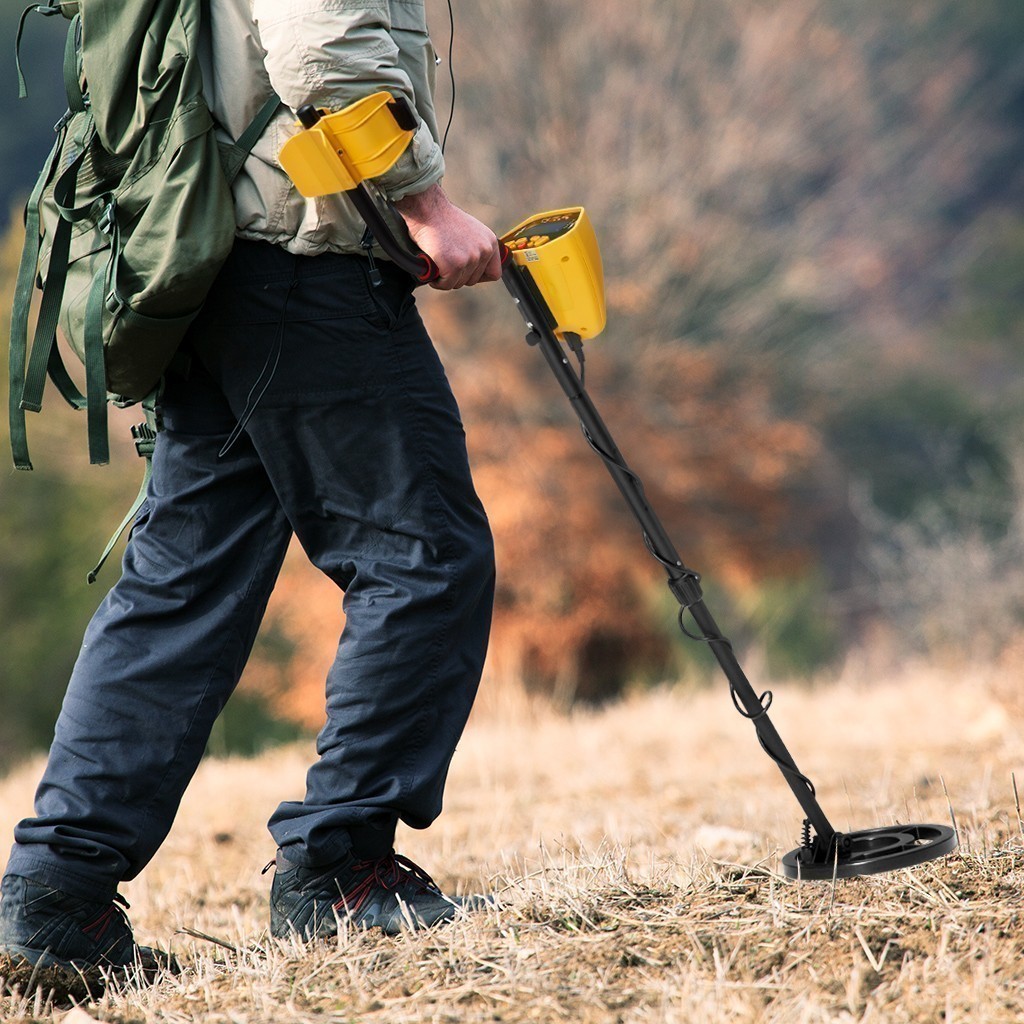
(683, 582)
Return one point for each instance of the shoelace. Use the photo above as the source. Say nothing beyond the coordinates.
(389, 873)
(99, 926)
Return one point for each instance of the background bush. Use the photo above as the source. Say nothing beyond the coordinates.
(810, 216)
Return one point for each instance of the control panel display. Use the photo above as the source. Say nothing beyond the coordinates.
(538, 232)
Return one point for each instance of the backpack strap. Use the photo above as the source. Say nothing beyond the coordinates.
(23, 289)
(72, 79)
(46, 360)
(144, 435)
(234, 155)
(51, 7)
(28, 381)
(45, 335)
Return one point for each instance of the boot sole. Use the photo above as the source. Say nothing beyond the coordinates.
(22, 966)
(28, 969)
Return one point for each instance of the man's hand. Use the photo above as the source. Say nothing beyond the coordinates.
(465, 250)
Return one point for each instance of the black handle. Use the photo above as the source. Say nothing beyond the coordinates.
(404, 254)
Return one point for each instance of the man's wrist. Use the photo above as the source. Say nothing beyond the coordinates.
(422, 206)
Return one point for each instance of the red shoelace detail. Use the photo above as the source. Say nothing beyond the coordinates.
(97, 928)
(387, 873)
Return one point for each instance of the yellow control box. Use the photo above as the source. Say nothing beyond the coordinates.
(560, 252)
(334, 155)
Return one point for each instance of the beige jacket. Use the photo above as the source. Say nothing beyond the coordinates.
(329, 53)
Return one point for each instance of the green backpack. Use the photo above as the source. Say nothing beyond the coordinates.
(131, 217)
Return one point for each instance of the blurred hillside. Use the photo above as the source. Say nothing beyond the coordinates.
(812, 226)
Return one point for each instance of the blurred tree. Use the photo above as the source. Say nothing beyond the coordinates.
(780, 191)
(810, 214)
(922, 444)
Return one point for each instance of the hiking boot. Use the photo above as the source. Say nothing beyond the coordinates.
(53, 940)
(390, 893)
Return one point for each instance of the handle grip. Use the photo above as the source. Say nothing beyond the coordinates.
(429, 269)
(403, 253)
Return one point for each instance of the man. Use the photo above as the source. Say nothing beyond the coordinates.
(313, 403)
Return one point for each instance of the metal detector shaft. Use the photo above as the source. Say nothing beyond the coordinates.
(683, 582)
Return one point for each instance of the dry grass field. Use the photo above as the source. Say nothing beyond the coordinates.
(635, 853)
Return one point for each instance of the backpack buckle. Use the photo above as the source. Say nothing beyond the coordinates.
(107, 220)
(114, 303)
(144, 437)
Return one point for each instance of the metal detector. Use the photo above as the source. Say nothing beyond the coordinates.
(552, 269)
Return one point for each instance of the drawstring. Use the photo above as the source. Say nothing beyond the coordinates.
(366, 243)
(256, 392)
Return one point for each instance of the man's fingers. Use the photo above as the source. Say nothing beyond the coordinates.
(485, 267)
(492, 272)
(465, 250)
(488, 269)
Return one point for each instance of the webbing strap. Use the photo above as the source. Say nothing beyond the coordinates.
(72, 82)
(145, 443)
(58, 373)
(235, 155)
(65, 186)
(95, 371)
(47, 9)
(19, 314)
(131, 514)
(46, 360)
(53, 292)
(46, 325)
